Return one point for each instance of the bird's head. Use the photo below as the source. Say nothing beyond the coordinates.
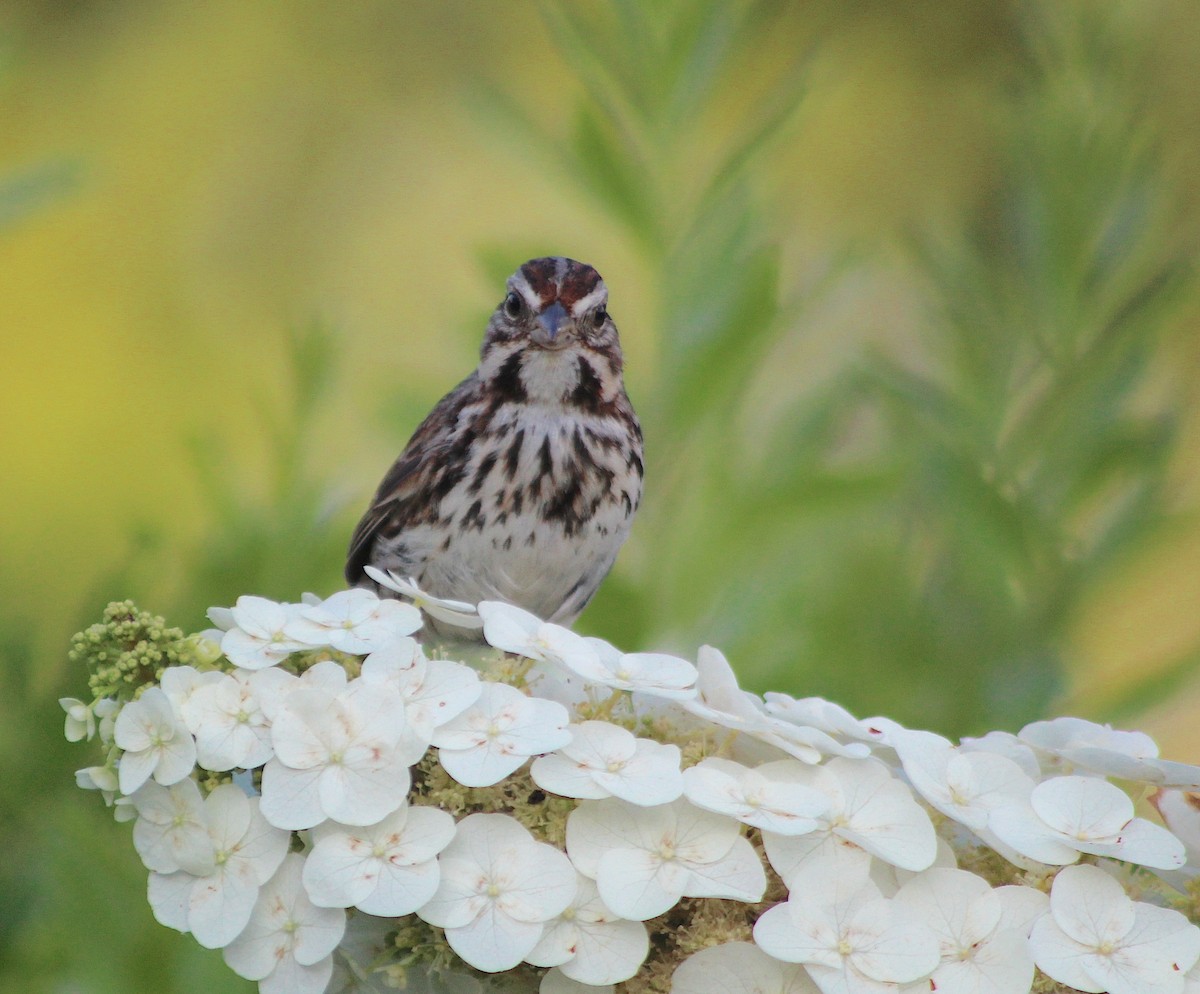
(552, 337)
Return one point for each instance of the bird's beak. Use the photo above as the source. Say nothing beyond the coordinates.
(548, 325)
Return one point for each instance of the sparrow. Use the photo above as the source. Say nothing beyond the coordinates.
(522, 483)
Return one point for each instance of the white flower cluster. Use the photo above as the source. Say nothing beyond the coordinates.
(286, 809)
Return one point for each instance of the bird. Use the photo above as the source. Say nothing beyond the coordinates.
(522, 483)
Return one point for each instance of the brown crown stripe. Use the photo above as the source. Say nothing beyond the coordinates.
(564, 280)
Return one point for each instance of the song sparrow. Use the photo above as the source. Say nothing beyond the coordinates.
(522, 483)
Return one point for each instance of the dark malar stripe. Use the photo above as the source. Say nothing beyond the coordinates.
(506, 385)
(588, 395)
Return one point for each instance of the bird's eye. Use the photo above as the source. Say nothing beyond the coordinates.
(600, 315)
(513, 305)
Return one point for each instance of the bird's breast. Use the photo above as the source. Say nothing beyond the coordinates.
(545, 502)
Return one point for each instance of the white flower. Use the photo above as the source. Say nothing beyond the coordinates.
(1067, 816)
(589, 943)
(1074, 743)
(434, 691)
(645, 859)
(385, 869)
(104, 779)
(497, 733)
(834, 720)
(851, 939)
(499, 887)
(337, 756)
(107, 710)
(222, 617)
(773, 796)
(227, 718)
(171, 832)
(655, 674)
(180, 682)
(982, 931)
(354, 621)
(155, 742)
(288, 944)
(1096, 939)
(720, 700)
(514, 630)
(101, 778)
(604, 760)
(870, 814)
(457, 613)
(1008, 745)
(1180, 810)
(965, 786)
(80, 722)
(260, 638)
(246, 853)
(739, 968)
(816, 722)
(325, 675)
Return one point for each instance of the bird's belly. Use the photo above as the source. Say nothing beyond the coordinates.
(529, 561)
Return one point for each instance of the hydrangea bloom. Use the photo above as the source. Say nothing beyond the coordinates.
(289, 942)
(589, 943)
(849, 937)
(645, 859)
(440, 818)
(773, 797)
(386, 869)
(1072, 815)
(604, 760)
(215, 906)
(227, 718)
(499, 889)
(456, 613)
(353, 621)
(498, 733)
(336, 756)
(259, 637)
(981, 930)
(1097, 939)
(154, 742)
(870, 814)
(739, 968)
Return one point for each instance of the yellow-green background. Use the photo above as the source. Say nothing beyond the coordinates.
(208, 178)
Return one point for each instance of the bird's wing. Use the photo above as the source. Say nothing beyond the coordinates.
(410, 488)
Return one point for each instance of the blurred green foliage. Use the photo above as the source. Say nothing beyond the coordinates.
(911, 529)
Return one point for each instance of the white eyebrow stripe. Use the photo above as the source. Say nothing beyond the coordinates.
(519, 284)
(585, 304)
